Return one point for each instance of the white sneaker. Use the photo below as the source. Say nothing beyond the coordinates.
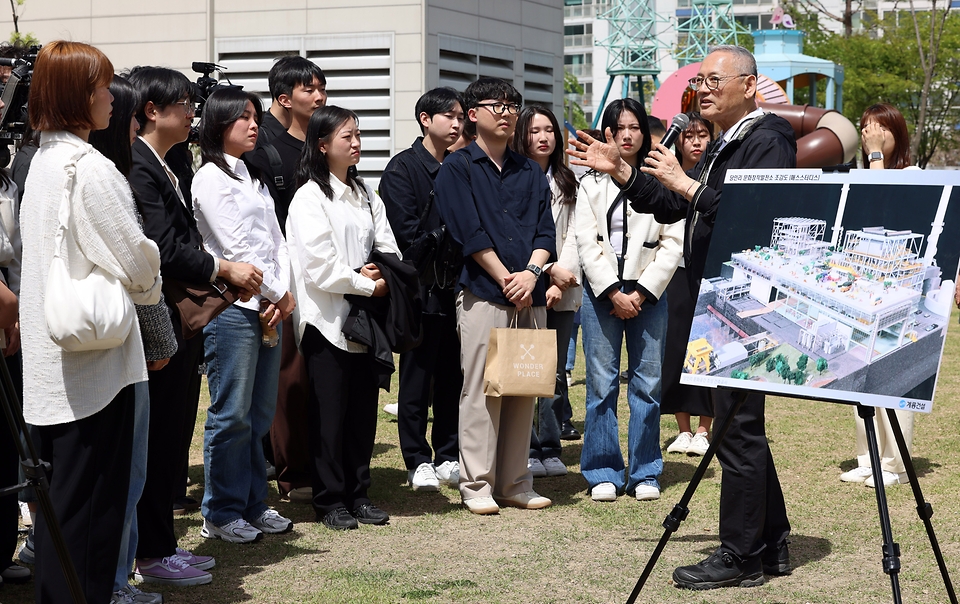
(605, 491)
(238, 531)
(448, 473)
(424, 478)
(569, 379)
(646, 492)
(391, 408)
(889, 479)
(529, 500)
(536, 467)
(698, 445)
(858, 474)
(681, 443)
(554, 467)
(482, 505)
(272, 523)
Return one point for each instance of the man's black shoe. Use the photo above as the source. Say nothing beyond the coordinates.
(776, 559)
(339, 520)
(720, 569)
(368, 513)
(568, 432)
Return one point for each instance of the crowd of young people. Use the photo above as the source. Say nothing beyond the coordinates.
(479, 224)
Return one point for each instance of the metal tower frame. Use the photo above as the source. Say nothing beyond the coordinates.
(711, 23)
(632, 46)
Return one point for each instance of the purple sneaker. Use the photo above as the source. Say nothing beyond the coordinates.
(198, 562)
(170, 570)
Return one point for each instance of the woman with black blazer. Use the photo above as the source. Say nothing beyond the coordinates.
(166, 115)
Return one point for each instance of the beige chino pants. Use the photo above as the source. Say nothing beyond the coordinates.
(494, 431)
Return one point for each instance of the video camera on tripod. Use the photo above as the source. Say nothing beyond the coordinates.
(204, 87)
(13, 116)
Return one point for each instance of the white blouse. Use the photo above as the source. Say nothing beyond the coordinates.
(329, 239)
(238, 222)
(59, 386)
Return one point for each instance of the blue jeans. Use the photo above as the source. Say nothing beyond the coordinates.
(242, 375)
(603, 334)
(138, 475)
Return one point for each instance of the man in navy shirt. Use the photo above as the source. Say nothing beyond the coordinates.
(496, 205)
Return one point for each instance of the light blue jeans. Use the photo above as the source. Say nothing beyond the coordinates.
(138, 475)
(242, 375)
(603, 334)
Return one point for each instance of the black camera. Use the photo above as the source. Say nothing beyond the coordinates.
(13, 116)
(205, 86)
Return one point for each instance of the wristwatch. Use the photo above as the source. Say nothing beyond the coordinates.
(875, 156)
(536, 270)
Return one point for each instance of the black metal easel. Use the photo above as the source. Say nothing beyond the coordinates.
(35, 471)
(891, 550)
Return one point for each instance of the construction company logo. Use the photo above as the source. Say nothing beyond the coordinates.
(913, 405)
(531, 369)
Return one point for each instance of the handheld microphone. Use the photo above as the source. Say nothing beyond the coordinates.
(678, 125)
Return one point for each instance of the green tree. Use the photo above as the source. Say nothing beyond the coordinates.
(571, 85)
(822, 365)
(802, 362)
(910, 60)
(771, 365)
(17, 37)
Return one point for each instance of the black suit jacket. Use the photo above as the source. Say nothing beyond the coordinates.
(166, 221)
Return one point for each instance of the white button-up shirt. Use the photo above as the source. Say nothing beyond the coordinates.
(329, 239)
(238, 222)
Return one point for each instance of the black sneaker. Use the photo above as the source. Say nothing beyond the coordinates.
(776, 559)
(339, 520)
(720, 569)
(368, 513)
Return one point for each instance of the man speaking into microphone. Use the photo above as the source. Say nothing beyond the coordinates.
(753, 517)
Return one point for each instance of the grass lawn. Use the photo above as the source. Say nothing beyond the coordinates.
(433, 550)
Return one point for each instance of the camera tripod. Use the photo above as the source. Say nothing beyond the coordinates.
(890, 549)
(35, 473)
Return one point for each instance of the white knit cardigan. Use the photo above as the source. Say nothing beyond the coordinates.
(60, 386)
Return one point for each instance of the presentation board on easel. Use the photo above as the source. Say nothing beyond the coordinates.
(829, 285)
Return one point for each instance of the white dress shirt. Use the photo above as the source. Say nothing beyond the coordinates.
(59, 386)
(329, 239)
(238, 223)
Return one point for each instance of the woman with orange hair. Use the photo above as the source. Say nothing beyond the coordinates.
(81, 402)
(885, 146)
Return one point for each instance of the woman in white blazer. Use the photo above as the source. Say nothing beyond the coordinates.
(538, 136)
(627, 259)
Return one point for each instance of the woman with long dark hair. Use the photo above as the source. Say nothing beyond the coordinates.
(159, 343)
(538, 136)
(82, 402)
(335, 221)
(885, 145)
(628, 259)
(166, 114)
(236, 217)
(680, 399)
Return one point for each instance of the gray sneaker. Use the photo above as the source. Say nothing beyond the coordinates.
(139, 597)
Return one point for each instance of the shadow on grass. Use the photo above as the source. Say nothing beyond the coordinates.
(681, 472)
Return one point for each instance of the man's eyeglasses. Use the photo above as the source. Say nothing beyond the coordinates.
(713, 82)
(501, 108)
(189, 106)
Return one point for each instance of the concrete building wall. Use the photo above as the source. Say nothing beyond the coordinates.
(379, 55)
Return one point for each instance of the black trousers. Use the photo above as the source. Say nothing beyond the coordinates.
(752, 512)
(677, 397)
(9, 474)
(431, 374)
(342, 417)
(89, 480)
(551, 412)
(174, 396)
